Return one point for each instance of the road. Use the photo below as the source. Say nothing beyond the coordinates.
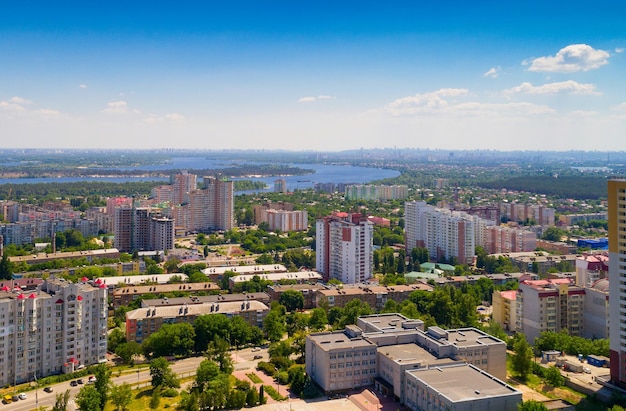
(184, 367)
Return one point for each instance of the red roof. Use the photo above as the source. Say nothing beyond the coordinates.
(80, 298)
(21, 297)
(98, 281)
(59, 301)
(6, 288)
(33, 295)
(103, 286)
(84, 279)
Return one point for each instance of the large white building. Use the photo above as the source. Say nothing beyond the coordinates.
(51, 330)
(617, 278)
(345, 247)
(446, 234)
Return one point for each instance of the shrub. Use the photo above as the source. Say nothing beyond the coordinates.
(170, 393)
(266, 367)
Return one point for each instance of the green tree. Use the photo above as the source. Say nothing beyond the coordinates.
(531, 405)
(62, 400)
(318, 319)
(207, 371)
(6, 270)
(127, 350)
(554, 377)
(523, 357)
(103, 377)
(121, 396)
(155, 398)
(88, 399)
(161, 373)
(274, 325)
(115, 338)
(292, 300)
(171, 339)
(171, 265)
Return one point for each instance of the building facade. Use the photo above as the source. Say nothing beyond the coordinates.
(617, 278)
(345, 249)
(51, 330)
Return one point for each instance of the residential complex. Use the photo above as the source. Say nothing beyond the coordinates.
(52, 329)
(538, 214)
(376, 192)
(617, 278)
(141, 229)
(345, 247)
(549, 305)
(402, 359)
(446, 234)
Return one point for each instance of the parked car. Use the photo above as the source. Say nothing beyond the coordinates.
(15, 398)
(586, 370)
(22, 396)
(48, 389)
(258, 357)
(74, 383)
(80, 381)
(256, 349)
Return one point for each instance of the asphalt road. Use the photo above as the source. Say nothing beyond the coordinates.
(184, 367)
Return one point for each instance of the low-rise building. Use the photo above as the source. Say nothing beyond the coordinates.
(143, 322)
(127, 294)
(376, 296)
(308, 292)
(399, 357)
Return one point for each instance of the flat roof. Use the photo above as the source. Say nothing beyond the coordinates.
(244, 269)
(386, 322)
(297, 275)
(338, 340)
(470, 336)
(165, 288)
(463, 382)
(138, 279)
(412, 354)
(201, 299)
(173, 311)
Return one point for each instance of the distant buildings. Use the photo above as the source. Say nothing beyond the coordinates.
(538, 214)
(50, 330)
(446, 234)
(345, 247)
(281, 216)
(280, 185)
(142, 229)
(376, 192)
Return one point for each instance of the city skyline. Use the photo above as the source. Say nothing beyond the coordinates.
(318, 76)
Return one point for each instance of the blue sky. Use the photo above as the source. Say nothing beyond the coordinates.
(313, 75)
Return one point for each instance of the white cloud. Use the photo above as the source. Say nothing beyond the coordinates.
(174, 116)
(492, 72)
(438, 103)
(570, 59)
(47, 112)
(116, 107)
(311, 99)
(619, 49)
(171, 117)
(82, 85)
(14, 104)
(562, 87)
(423, 103)
(620, 107)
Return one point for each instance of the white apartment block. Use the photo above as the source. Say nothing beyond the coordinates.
(345, 247)
(446, 234)
(286, 220)
(51, 330)
(549, 305)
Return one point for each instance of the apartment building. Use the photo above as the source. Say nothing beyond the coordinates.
(596, 310)
(140, 229)
(285, 220)
(446, 234)
(503, 239)
(375, 296)
(280, 185)
(573, 219)
(617, 278)
(143, 322)
(260, 210)
(376, 192)
(549, 305)
(539, 214)
(591, 268)
(308, 291)
(126, 295)
(345, 247)
(389, 351)
(53, 329)
(504, 309)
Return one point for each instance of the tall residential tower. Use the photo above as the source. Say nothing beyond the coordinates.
(617, 279)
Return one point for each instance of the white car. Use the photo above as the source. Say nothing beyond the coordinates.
(22, 396)
(586, 370)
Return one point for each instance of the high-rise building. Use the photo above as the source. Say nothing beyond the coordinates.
(54, 329)
(345, 247)
(142, 229)
(280, 185)
(617, 279)
(446, 234)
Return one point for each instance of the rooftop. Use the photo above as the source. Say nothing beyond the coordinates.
(172, 311)
(245, 269)
(338, 340)
(412, 354)
(462, 382)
